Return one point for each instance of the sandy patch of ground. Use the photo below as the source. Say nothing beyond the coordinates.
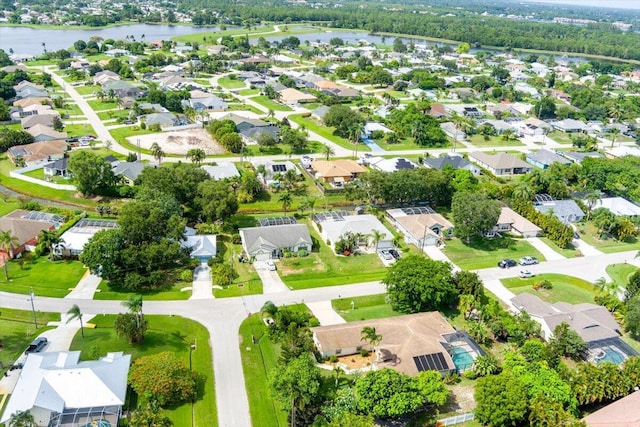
(180, 141)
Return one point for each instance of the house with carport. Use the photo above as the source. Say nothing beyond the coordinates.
(270, 242)
(336, 172)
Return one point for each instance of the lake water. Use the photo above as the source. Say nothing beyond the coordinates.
(29, 40)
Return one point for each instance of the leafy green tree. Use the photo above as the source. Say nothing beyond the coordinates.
(92, 175)
(232, 141)
(468, 282)
(474, 214)
(75, 313)
(149, 416)
(416, 284)
(22, 419)
(501, 400)
(7, 242)
(130, 326)
(164, 379)
(567, 342)
(296, 385)
(486, 365)
(545, 109)
(216, 201)
(286, 200)
(196, 155)
(389, 393)
(50, 240)
(145, 221)
(343, 119)
(632, 316)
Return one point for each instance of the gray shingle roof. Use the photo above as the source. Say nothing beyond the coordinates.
(456, 162)
(547, 157)
(276, 237)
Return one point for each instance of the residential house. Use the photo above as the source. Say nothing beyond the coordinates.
(622, 151)
(128, 172)
(566, 211)
(410, 344)
(510, 221)
(271, 172)
(619, 206)
(255, 60)
(209, 103)
(201, 246)
(579, 156)
(593, 323)
(438, 111)
(558, 94)
(162, 119)
(57, 168)
(504, 109)
(26, 226)
(501, 164)
(75, 238)
(32, 101)
(334, 227)
(115, 53)
(250, 128)
(216, 49)
(293, 97)
(101, 77)
(533, 127)
(270, 242)
(500, 126)
(37, 152)
(336, 172)
(623, 412)
(452, 131)
(320, 112)
(41, 132)
(122, 89)
(421, 226)
(456, 162)
(26, 89)
(390, 165)
(569, 125)
(545, 158)
(37, 119)
(371, 127)
(60, 390)
(222, 171)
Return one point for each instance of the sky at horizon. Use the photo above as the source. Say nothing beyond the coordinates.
(616, 4)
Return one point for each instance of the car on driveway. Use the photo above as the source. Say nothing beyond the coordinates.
(507, 263)
(394, 253)
(36, 346)
(525, 274)
(528, 260)
(386, 255)
(271, 266)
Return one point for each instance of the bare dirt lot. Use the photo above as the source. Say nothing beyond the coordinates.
(180, 141)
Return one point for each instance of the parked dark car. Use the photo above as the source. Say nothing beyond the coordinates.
(394, 253)
(36, 346)
(507, 263)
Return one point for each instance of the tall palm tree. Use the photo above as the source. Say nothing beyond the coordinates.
(523, 191)
(376, 236)
(75, 313)
(369, 334)
(134, 305)
(157, 152)
(592, 198)
(196, 155)
(50, 240)
(22, 419)
(328, 151)
(286, 200)
(7, 242)
(614, 135)
(311, 203)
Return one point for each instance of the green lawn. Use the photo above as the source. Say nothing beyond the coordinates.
(70, 108)
(248, 282)
(249, 92)
(566, 252)
(18, 330)
(270, 104)
(278, 149)
(365, 308)
(164, 333)
(79, 129)
(257, 361)
(114, 114)
(494, 141)
(485, 253)
(244, 107)
(565, 288)
(620, 273)
(98, 105)
(9, 205)
(214, 35)
(87, 89)
(173, 293)
(121, 134)
(39, 174)
(35, 190)
(560, 137)
(404, 144)
(589, 233)
(324, 131)
(47, 278)
(324, 268)
(229, 83)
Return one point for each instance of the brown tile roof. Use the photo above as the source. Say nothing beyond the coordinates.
(41, 129)
(621, 413)
(326, 84)
(415, 224)
(38, 150)
(517, 221)
(403, 337)
(499, 161)
(336, 168)
(24, 229)
(31, 101)
(290, 94)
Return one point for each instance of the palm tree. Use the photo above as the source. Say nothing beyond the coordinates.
(592, 198)
(134, 304)
(614, 135)
(75, 313)
(311, 203)
(369, 334)
(22, 419)
(523, 191)
(328, 151)
(286, 200)
(376, 236)
(157, 152)
(196, 155)
(50, 240)
(7, 243)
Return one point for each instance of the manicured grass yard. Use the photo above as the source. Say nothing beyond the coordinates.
(560, 137)
(229, 83)
(18, 330)
(365, 308)
(589, 233)
(114, 114)
(566, 252)
(620, 273)
(249, 92)
(98, 105)
(47, 278)
(324, 268)
(270, 104)
(565, 288)
(494, 141)
(324, 131)
(8, 206)
(79, 129)
(39, 174)
(87, 89)
(485, 253)
(164, 333)
(173, 293)
(248, 281)
(257, 361)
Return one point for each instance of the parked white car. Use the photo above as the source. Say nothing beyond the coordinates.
(525, 274)
(271, 266)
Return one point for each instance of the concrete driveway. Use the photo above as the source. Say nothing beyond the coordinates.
(325, 313)
(544, 249)
(271, 281)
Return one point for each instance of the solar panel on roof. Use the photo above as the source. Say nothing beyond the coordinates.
(403, 164)
(330, 216)
(418, 210)
(279, 168)
(282, 220)
(431, 362)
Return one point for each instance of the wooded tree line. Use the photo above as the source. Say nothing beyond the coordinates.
(597, 39)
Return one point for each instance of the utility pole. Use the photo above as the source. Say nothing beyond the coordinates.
(33, 309)
(139, 152)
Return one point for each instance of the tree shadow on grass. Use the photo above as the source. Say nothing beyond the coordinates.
(491, 244)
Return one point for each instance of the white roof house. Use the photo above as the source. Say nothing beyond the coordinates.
(619, 206)
(391, 165)
(371, 127)
(59, 389)
(334, 228)
(222, 171)
(77, 236)
(203, 246)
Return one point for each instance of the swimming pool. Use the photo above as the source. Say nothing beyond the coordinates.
(611, 355)
(461, 358)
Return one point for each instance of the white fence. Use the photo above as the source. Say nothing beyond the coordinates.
(18, 174)
(450, 421)
(184, 127)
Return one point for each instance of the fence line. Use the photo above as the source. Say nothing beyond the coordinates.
(456, 419)
(18, 174)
